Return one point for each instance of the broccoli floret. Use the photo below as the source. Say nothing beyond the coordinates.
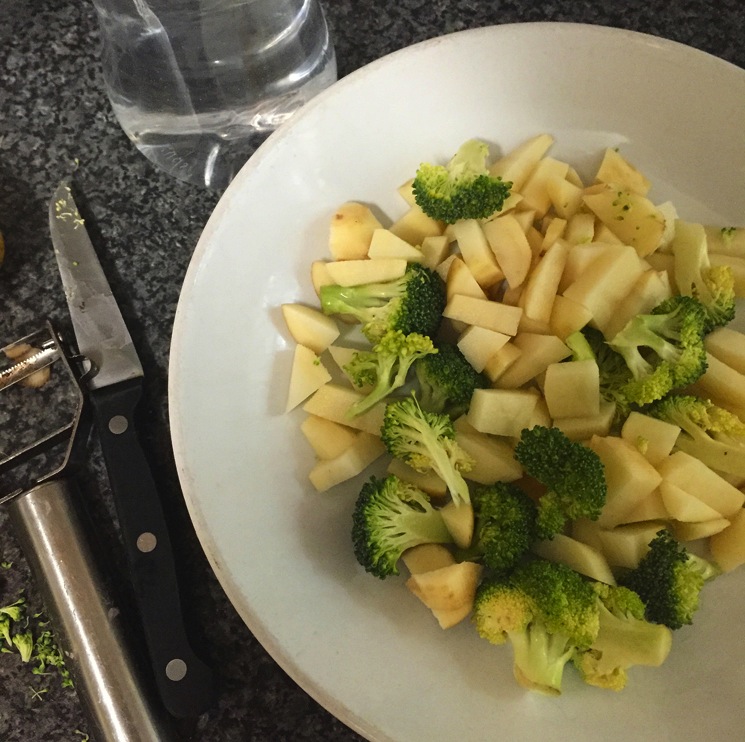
(447, 381)
(663, 350)
(713, 286)
(389, 517)
(669, 580)
(412, 303)
(505, 525)
(24, 643)
(426, 440)
(462, 189)
(625, 639)
(573, 475)
(386, 366)
(710, 433)
(547, 612)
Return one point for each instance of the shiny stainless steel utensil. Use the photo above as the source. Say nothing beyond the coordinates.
(115, 388)
(49, 520)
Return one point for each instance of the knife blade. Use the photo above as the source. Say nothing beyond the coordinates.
(115, 382)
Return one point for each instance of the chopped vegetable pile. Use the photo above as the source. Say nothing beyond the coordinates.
(545, 369)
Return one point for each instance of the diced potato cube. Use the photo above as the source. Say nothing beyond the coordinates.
(501, 411)
(540, 289)
(572, 389)
(691, 475)
(476, 252)
(494, 459)
(427, 558)
(519, 163)
(633, 218)
(537, 353)
(447, 588)
(629, 476)
(459, 521)
(307, 375)
(626, 545)
(310, 327)
(534, 191)
(435, 250)
(567, 316)
(580, 228)
(483, 313)
(328, 439)
(698, 531)
(605, 282)
(566, 197)
(729, 241)
(510, 247)
(616, 170)
(728, 546)
(385, 244)
(650, 289)
(654, 438)
(327, 473)
(650, 508)
(728, 346)
(461, 281)
(722, 385)
(579, 556)
(584, 428)
(502, 360)
(332, 401)
(350, 231)
(478, 345)
(428, 481)
(685, 507)
(415, 226)
(319, 275)
(360, 272)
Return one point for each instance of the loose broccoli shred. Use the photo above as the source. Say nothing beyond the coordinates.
(386, 366)
(462, 189)
(505, 526)
(426, 441)
(447, 381)
(663, 350)
(669, 580)
(573, 475)
(546, 611)
(625, 639)
(412, 303)
(389, 517)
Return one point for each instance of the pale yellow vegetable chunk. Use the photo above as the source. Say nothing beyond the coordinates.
(476, 252)
(385, 244)
(626, 545)
(566, 197)
(327, 473)
(519, 163)
(729, 241)
(685, 507)
(332, 401)
(697, 531)
(415, 226)
(502, 360)
(327, 438)
(509, 247)
(494, 458)
(722, 385)
(537, 353)
(651, 288)
(616, 170)
(350, 231)
(448, 588)
(483, 313)
(541, 286)
(728, 346)
(434, 251)
(359, 272)
(584, 428)
(535, 191)
(459, 522)
(572, 389)
(307, 375)
(501, 411)
(567, 316)
(579, 556)
(630, 478)
(728, 546)
(427, 558)
(478, 345)
(461, 281)
(654, 438)
(427, 481)
(310, 327)
(691, 475)
(633, 218)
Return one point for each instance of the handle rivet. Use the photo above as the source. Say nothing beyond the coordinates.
(118, 424)
(176, 670)
(146, 542)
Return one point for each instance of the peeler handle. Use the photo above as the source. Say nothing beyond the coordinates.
(87, 622)
(185, 683)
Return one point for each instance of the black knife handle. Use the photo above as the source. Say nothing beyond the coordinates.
(185, 683)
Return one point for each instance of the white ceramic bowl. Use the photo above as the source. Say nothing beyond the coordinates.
(364, 647)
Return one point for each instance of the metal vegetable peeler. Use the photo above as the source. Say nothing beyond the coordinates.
(41, 386)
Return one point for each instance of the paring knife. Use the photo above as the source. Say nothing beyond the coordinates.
(184, 682)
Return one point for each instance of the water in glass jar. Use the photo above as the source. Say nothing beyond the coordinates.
(197, 84)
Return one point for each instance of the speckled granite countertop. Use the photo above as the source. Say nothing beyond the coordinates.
(53, 113)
